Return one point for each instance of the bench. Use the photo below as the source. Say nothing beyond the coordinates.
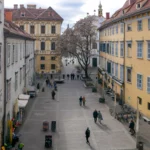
(146, 119)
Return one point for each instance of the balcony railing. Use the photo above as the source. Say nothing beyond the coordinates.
(47, 52)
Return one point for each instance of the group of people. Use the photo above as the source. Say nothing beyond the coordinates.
(72, 76)
(50, 84)
(82, 101)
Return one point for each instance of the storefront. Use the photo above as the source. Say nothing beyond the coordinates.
(22, 102)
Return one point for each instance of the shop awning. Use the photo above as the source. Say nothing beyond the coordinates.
(23, 97)
(22, 103)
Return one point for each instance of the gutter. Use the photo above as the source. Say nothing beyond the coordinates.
(124, 17)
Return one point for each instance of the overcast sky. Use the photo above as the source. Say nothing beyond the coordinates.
(72, 10)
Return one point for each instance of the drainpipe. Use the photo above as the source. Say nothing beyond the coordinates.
(4, 104)
(124, 62)
(25, 64)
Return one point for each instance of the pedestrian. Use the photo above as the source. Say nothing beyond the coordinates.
(53, 94)
(131, 127)
(63, 76)
(38, 86)
(95, 115)
(80, 100)
(46, 82)
(100, 117)
(20, 146)
(71, 75)
(78, 76)
(83, 100)
(87, 135)
(68, 76)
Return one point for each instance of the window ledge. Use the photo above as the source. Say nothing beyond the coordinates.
(140, 58)
(129, 82)
(129, 56)
(140, 88)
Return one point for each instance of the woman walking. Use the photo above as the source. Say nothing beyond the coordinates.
(100, 117)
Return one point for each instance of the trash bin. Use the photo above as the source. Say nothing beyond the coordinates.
(53, 126)
(140, 146)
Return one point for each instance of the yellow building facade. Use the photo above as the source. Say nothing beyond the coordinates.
(125, 54)
(45, 26)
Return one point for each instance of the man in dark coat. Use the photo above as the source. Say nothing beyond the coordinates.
(87, 135)
(131, 126)
(80, 100)
(95, 115)
(53, 94)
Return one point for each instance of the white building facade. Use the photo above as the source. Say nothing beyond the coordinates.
(94, 60)
(19, 60)
(1, 68)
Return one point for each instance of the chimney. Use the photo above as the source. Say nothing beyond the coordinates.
(15, 6)
(8, 15)
(21, 5)
(30, 6)
(107, 15)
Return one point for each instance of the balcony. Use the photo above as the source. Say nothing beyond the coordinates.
(47, 52)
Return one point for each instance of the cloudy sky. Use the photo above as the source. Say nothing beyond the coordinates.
(71, 10)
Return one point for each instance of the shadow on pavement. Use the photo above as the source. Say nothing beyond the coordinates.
(86, 107)
(103, 126)
(92, 148)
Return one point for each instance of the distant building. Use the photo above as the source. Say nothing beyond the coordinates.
(125, 54)
(1, 69)
(94, 60)
(44, 25)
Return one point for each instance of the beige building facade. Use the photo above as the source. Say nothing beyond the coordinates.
(45, 26)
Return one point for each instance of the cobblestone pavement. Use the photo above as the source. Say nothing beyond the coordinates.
(72, 120)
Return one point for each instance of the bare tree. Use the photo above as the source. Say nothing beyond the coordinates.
(78, 41)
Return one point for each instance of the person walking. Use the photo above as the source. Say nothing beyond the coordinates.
(100, 117)
(80, 100)
(95, 115)
(20, 146)
(83, 100)
(63, 76)
(68, 76)
(131, 126)
(53, 94)
(87, 135)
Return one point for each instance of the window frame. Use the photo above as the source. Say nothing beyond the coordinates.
(139, 25)
(42, 57)
(148, 23)
(138, 52)
(21, 27)
(148, 85)
(129, 54)
(43, 29)
(53, 29)
(121, 49)
(116, 49)
(116, 70)
(32, 30)
(16, 81)
(53, 68)
(128, 68)
(42, 68)
(112, 68)
(8, 89)
(53, 57)
(53, 46)
(137, 84)
(8, 54)
(129, 27)
(148, 50)
(42, 42)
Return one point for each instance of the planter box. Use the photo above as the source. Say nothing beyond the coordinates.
(94, 90)
(102, 100)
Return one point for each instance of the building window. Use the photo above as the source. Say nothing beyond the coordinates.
(112, 68)
(42, 45)
(117, 29)
(108, 67)
(42, 66)
(22, 14)
(129, 27)
(112, 49)
(129, 75)
(149, 24)
(94, 45)
(148, 106)
(42, 58)
(138, 6)
(116, 50)
(148, 50)
(16, 80)
(42, 29)
(8, 89)
(16, 53)
(53, 58)
(0, 58)
(121, 73)
(139, 81)
(116, 69)
(53, 29)
(122, 28)
(129, 49)
(139, 100)
(139, 49)
(148, 85)
(20, 75)
(32, 29)
(139, 25)
(8, 54)
(53, 66)
(121, 49)
(53, 46)
(22, 27)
